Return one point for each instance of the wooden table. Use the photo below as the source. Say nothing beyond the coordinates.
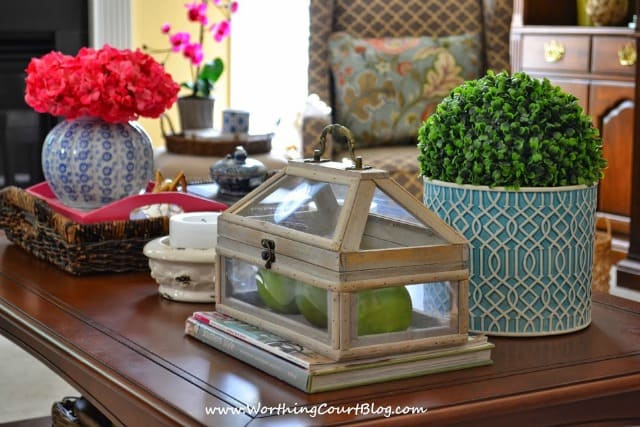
(123, 347)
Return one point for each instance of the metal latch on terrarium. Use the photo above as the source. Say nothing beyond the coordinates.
(269, 252)
(339, 133)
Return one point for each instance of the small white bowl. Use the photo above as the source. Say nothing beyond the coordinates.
(182, 274)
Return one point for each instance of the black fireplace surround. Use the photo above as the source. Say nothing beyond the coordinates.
(31, 28)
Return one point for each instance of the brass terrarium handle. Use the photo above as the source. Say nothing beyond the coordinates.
(627, 55)
(339, 133)
(553, 51)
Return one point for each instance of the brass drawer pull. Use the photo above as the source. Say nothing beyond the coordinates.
(627, 54)
(553, 51)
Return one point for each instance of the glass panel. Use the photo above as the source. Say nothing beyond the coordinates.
(390, 225)
(267, 290)
(313, 304)
(240, 280)
(414, 311)
(302, 204)
(384, 206)
(437, 302)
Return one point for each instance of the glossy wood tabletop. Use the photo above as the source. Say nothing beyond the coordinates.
(123, 346)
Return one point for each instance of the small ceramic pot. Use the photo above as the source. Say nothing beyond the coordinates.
(237, 175)
(235, 121)
(195, 113)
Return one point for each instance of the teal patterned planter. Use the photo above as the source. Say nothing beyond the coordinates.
(531, 254)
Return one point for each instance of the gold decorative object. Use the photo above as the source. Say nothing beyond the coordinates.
(627, 54)
(583, 19)
(340, 258)
(178, 183)
(553, 51)
(607, 12)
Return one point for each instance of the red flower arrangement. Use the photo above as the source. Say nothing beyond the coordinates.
(112, 84)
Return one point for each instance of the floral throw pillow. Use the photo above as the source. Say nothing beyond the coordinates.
(385, 88)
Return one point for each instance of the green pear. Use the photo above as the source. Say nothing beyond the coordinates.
(384, 310)
(277, 292)
(379, 310)
(312, 303)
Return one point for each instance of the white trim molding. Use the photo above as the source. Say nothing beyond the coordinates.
(110, 23)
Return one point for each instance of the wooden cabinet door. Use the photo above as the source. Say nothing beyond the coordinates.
(577, 88)
(612, 109)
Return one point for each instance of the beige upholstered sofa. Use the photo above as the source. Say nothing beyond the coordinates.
(489, 20)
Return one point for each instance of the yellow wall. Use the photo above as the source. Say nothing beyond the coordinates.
(147, 18)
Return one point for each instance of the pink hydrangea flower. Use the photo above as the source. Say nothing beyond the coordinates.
(114, 85)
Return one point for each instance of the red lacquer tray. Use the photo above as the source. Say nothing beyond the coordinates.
(120, 209)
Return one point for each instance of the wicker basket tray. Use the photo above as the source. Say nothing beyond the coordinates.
(104, 247)
(602, 256)
(211, 143)
(217, 147)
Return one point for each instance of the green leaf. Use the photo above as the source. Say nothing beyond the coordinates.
(211, 71)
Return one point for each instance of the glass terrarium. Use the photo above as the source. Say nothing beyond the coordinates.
(343, 260)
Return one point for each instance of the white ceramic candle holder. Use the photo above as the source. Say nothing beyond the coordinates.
(183, 274)
(183, 263)
(194, 230)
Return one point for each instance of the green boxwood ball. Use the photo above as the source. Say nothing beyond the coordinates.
(511, 131)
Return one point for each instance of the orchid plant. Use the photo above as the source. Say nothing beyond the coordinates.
(203, 75)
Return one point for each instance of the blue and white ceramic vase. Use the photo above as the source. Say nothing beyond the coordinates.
(531, 254)
(89, 163)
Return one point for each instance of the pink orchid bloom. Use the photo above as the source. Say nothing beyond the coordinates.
(179, 40)
(193, 51)
(197, 12)
(189, 44)
(221, 30)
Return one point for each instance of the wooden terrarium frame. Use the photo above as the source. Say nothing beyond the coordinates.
(346, 246)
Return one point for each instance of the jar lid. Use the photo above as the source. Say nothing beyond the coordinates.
(238, 174)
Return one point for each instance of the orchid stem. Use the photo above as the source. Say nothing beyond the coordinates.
(195, 78)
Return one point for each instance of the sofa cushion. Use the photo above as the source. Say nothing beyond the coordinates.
(386, 87)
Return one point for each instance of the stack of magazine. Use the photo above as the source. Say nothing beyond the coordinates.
(313, 372)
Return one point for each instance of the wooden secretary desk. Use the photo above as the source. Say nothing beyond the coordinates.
(599, 66)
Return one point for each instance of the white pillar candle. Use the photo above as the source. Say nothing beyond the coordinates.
(194, 230)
